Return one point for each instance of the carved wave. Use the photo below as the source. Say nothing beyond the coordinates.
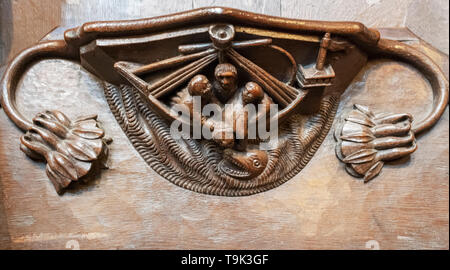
(193, 164)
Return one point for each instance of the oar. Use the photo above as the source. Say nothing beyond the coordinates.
(181, 78)
(263, 78)
(193, 48)
(170, 62)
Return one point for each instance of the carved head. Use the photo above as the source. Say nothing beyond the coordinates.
(200, 86)
(243, 165)
(226, 75)
(252, 94)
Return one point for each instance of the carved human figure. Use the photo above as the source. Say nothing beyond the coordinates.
(245, 108)
(252, 94)
(231, 129)
(198, 86)
(225, 85)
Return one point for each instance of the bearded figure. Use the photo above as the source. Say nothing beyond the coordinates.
(225, 85)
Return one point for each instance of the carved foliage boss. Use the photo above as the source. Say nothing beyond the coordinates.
(229, 59)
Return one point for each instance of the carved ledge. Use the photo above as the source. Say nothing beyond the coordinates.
(226, 58)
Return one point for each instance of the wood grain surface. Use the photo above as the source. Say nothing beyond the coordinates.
(23, 23)
(130, 206)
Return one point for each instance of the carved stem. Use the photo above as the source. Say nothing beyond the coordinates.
(13, 73)
(432, 71)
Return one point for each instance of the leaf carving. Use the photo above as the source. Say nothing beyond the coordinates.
(81, 150)
(59, 181)
(358, 137)
(364, 109)
(87, 117)
(373, 171)
(88, 133)
(59, 116)
(86, 123)
(361, 120)
(377, 138)
(361, 156)
(70, 148)
(51, 124)
(61, 164)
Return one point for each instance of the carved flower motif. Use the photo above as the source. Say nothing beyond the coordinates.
(366, 140)
(71, 149)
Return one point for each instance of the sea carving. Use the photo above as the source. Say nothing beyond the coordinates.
(227, 164)
(366, 140)
(203, 165)
(156, 71)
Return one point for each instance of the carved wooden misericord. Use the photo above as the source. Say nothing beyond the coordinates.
(153, 69)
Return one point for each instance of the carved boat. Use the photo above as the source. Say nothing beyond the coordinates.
(196, 57)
